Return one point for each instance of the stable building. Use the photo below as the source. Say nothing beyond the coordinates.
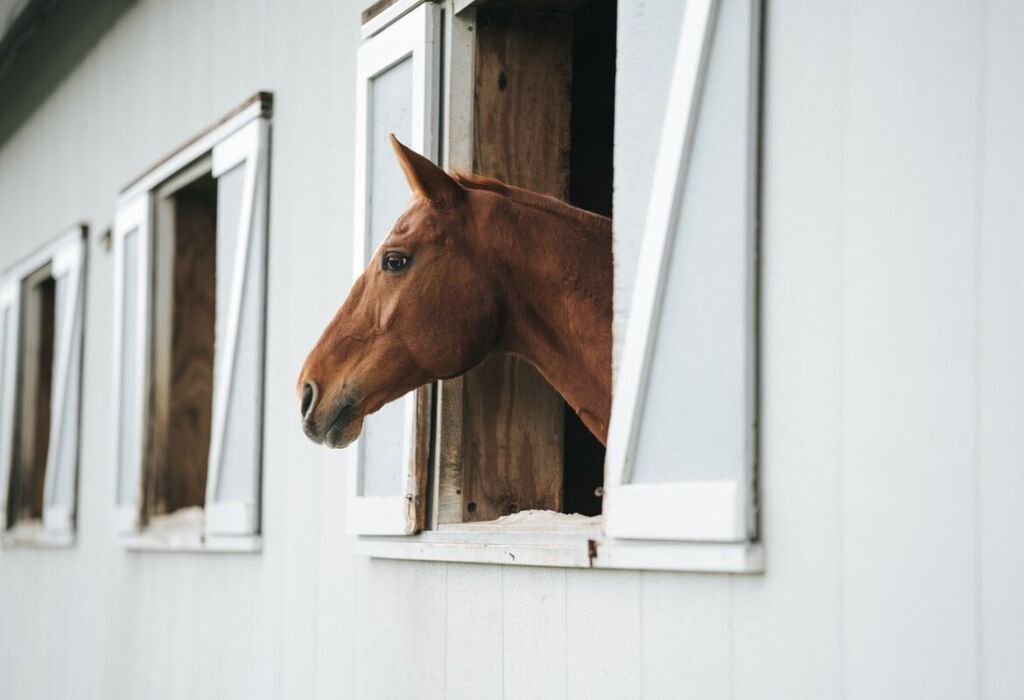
(809, 488)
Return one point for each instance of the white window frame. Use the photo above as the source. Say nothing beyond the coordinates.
(387, 16)
(249, 145)
(713, 535)
(133, 214)
(415, 34)
(242, 137)
(66, 256)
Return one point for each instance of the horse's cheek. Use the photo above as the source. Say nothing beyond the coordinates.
(388, 308)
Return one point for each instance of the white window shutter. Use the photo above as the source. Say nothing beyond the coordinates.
(60, 486)
(132, 276)
(398, 91)
(680, 461)
(9, 297)
(234, 468)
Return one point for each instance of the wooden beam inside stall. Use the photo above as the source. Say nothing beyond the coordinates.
(510, 457)
(35, 376)
(183, 362)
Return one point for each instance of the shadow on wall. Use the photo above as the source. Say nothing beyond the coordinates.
(49, 38)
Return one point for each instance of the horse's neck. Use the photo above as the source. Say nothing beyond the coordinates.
(556, 271)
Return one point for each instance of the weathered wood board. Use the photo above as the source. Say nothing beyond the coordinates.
(504, 452)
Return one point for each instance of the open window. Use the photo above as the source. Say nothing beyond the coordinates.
(539, 115)
(41, 307)
(190, 261)
(529, 97)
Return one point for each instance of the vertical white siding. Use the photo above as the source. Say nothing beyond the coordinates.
(603, 651)
(1000, 327)
(686, 648)
(909, 380)
(893, 324)
(533, 632)
(798, 604)
(474, 661)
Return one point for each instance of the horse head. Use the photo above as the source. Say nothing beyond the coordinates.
(424, 308)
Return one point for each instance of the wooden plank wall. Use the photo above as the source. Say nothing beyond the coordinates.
(192, 380)
(183, 401)
(512, 422)
(34, 382)
(891, 386)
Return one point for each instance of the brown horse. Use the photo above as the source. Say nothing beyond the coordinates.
(473, 266)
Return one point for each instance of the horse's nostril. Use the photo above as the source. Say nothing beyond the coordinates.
(309, 396)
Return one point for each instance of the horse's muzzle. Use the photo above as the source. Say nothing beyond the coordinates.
(337, 428)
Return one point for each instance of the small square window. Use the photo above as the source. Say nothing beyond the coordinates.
(40, 358)
(529, 97)
(190, 260)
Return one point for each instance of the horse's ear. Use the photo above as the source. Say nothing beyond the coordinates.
(426, 179)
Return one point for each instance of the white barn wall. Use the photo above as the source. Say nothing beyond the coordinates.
(892, 327)
(95, 621)
(910, 374)
(799, 600)
(1000, 391)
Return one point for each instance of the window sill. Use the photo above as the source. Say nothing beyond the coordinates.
(192, 543)
(182, 531)
(573, 550)
(33, 534)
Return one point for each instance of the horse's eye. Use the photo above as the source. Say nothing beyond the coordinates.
(394, 262)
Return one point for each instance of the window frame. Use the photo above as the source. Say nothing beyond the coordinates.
(66, 256)
(717, 537)
(414, 35)
(242, 137)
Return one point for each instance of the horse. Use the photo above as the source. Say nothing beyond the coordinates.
(473, 266)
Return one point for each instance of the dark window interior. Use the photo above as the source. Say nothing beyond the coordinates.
(593, 107)
(592, 135)
(33, 385)
(184, 312)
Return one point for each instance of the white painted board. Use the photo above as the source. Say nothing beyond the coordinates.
(682, 444)
(240, 164)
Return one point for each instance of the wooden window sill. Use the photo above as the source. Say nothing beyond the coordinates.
(585, 550)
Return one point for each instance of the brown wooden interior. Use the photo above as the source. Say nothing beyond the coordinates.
(183, 356)
(510, 443)
(34, 383)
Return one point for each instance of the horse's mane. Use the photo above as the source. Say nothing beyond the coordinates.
(527, 198)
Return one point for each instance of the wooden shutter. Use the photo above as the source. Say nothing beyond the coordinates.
(132, 299)
(233, 474)
(9, 297)
(398, 90)
(681, 445)
(59, 492)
